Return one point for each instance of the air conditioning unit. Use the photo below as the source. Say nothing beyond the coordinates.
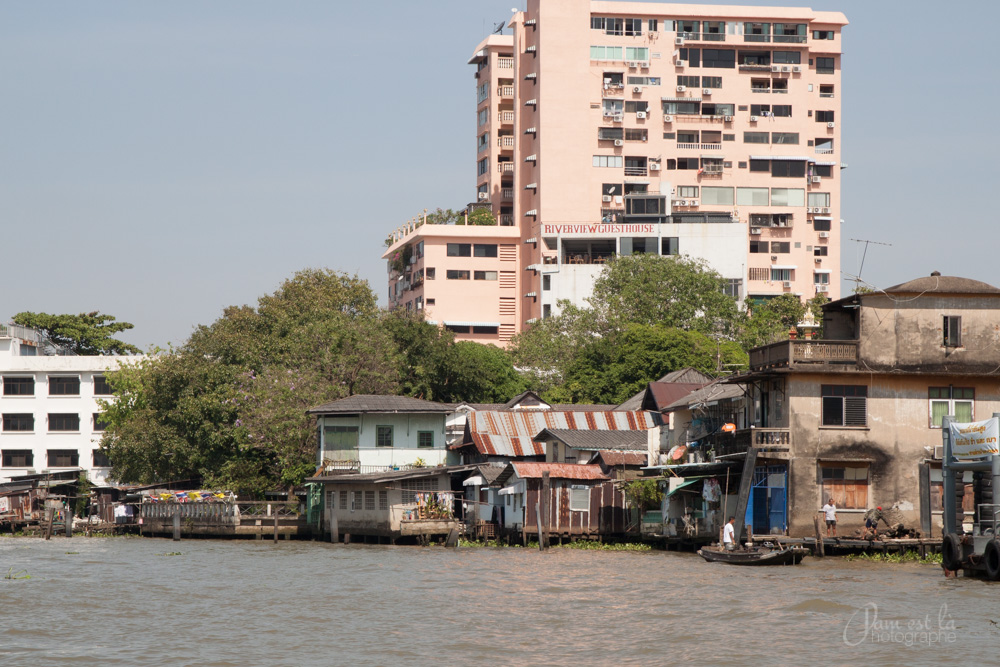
(824, 235)
(637, 89)
(811, 210)
(680, 202)
(786, 68)
(755, 231)
(681, 89)
(679, 41)
(938, 452)
(643, 64)
(753, 119)
(654, 166)
(706, 91)
(729, 119)
(821, 289)
(797, 69)
(668, 119)
(483, 196)
(619, 142)
(632, 64)
(787, 284)
(819, 260)
(606, 198)
(775, 68)
(641, 115)
(824, 210)
(693, 202)
(680, 63)
(815, 179)
(831, 125)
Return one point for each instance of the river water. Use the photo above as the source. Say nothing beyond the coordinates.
(207, 603)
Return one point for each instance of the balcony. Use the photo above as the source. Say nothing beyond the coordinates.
(506, 220)
(505, 62)
(506, 117)
(737, 442)
(507, 194)
(505, 142)
(505, 92)
(636, 171)
(505, 167)
(804, 353)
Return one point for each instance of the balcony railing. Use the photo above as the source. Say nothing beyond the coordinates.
(505, 91)
(789, 39)
(737, 442)
(505, 167)
(18, 331)
(793, 353)
(505, 62)
(507, 194)
(635, 171)
(505, 142)
(824, 150)
(506, 220)
(506, 117)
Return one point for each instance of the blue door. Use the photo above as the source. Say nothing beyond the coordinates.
(767, 506)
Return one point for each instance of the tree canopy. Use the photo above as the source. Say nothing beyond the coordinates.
(88, 334)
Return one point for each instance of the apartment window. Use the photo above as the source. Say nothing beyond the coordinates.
(99, 423)
(455, 274)
(636, 135)
(15, 386)
(844, 405)
(710, 81)
(18, 458)
(819, 199)
(824, 65)
(760, 165)
(821, 226)
(383, 436)
(788, 196)
(826, 90)
(64, 386)
(633, 26)
(824, 170)
(755, 58)
(610, 133)
(786, 57)
(718, 58)
(484, 115)
(636, 53)
(430, 273)
(952, 327)
(781, 275)
(605, 53)
(687, 137)
(383, 500)
(822, 34)
(824, 116)
(689, 81)
(670, 245)
(483, 166)
(430, 302)
(644, 80)
(613, 26)
(639, 245)
(846, 483)
(546, 311)
(781, 248)
(613, 161)
(100, 459)
(779, 86)
(483, 142)
(425, 439)
(63, 458)
(787, 169)
(687, 191)
(485, 250)
(459, 250)
(756, 32)
(713, 109)
(632, 107)
(820, 251)
(370, 500)
(688, 29)
(752, 197)
(761, 247)
(784, 137)
(821, 278)
(18, 421)
(101, 386)
(653, 25)
(64, 421)
(957, 401)
(755, 137)
(681, 108)
(484, 275)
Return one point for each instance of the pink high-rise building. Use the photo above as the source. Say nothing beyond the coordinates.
(610, 128)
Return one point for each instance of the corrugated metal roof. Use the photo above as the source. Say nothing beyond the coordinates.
(577, 439)
(389, 476)
(611, 458)
(528, 470)
(714, 392)
(374, 403)
(510, 433)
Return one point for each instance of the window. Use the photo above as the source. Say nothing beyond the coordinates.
(546, 311)
(409, 486)
(482, 93)
(824, 116)
(755, 137)
(846, 483)
(824, 65)
(101, 386)
(484, 116)
(633, 26)
(430, 274)
(609, 133)
(579, 499)
(787, 169)
(632, 107)
(714, 31)
(761, 247)
(482, 166)
(752, 197)
(822, 34)
(780, 275)
(952, 327)
(64, 386)
(819, 199)
(636, 53)
(425, 439)
(546, 282)
(605, 53)
(638, 245)
(821, 278)
(99, 423)
(681, 108)
(614, 161)
(688, 29)
(644, 80)
(781, 248)
(826, 90)
(669, 245)
(760, 165)
(483, 142)
(636, 135)
(459, 250)
(63, 458)
(820, 251)
(369, 500)
(824, 170)
(789, 196)
(64, 421)
(485, 250)
(484, 275)
(454, 274)
(756, 32)
(383, 436)
(18, 386)
(18, 458)
(821, 226)
(689, 81)
(383, 500)
(18, 421)
(343, 500)
(844, 405)
(687, 191)
(710, 82)
(712, 109)
(718, 58)
(653, 25)
(786, 57)
(101, 459)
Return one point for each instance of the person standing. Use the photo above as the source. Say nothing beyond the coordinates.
(729, 535)
(830, 509)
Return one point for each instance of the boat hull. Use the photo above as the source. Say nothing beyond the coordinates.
(786, 556)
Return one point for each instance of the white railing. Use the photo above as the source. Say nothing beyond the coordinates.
(505, 142)
(505, 167)
(506, 116)
(505, 62)
(507, 193)
(635, 171)
(505, 91)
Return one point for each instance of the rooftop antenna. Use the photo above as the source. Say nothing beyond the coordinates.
(857, 278)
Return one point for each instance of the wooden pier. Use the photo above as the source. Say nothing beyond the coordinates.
(242, 519)
(842, 546)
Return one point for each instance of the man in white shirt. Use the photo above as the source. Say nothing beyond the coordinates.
(729, 535)
(831, 518)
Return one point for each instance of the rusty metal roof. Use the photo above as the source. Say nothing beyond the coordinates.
(531, 470)
(612, 458)
(505, 433)
(578, 439)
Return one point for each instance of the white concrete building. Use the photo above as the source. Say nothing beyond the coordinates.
(51, 419)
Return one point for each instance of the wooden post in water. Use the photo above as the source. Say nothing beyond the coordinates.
(334, 529)
(546, 492)
(276, 526)
(69, 522)
(819, 539)
(49, 518)
(538, 525)
(177, 523)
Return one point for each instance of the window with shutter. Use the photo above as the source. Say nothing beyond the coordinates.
(579, 499)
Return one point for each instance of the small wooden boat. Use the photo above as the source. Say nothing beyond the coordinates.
(756, 556)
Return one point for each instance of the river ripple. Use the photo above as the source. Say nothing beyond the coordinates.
(220, 603)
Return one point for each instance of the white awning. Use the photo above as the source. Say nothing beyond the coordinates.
(475, 480)
(449, 323)
(822, 217)
(824, 164)
(781, 158)
(821, 270)
(784, 266)
(681, 99)
(512, 489)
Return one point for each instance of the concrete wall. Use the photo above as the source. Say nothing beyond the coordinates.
(404, 450)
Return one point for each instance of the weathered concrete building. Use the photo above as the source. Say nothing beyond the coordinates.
(857, 415)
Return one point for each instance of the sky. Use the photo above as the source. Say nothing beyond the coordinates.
(162, 161)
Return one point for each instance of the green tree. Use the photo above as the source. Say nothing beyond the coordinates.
(87, 334)
(424, 350)
(547, 348)
(769, 322)
(482, 216)
(480, 373)
(445, 216)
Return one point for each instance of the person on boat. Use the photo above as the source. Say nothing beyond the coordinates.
(729, 535)
(830, 509)
(872, 517)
